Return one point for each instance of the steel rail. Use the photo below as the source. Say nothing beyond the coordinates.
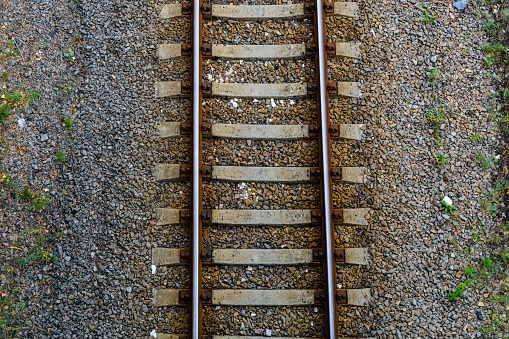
(329, 263)
(195, 312)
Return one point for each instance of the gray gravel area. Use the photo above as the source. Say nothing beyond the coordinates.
(414, 264)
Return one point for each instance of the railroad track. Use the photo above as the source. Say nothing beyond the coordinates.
(195, 297)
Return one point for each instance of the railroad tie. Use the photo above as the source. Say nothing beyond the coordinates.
(261, 12)
(287, 297)
(175, 89)
(162, 256)
(257, 52)
(345, 216)
(260, 132)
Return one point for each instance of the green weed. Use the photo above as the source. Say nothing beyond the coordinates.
(77, 41)
(448, 208)
(12, 316)
(495, 49)
(436, 116)
(427, 15)
(493, 52)
(14, 98)
(33, 96)
(70, 56)
(477, 138)
(67, 88)
(434, 75)
(39, 252)
(12, 50)
(505, 93)
(492, 198)
(491, 26)
(27, 194)
(496, 324)
(469, 272)
(5, 110)
(459, 291)
(441, 160)
(6, 179)
(439, 139)
(39, 203)
(453, 242)
(68, 123)
(61, 155)
(485, 161)
(4, 76)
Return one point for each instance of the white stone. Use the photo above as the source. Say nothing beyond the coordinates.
(447, 201)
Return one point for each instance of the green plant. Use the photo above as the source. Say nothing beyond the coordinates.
(12, 316)
(504, 255)
(434, 75)
(441, 160)
(5, 110)
(61, 155)
(27, 194)
(39, 252)
(491, 26)
(489, 60)
(14, 98)
(21, 99)
(458, 291)
(469, 273)
(496, 324)
(6, 180)
(39, 203)
(12, 50)
(427, 15)
(436, 116)
(70, 56)
(492, 198)
(36, 254)
(477, 137)
(77, 41)
(68, 123)
(493, 75)
(496, 48)
(439, 140)
(484, 160)
(33, 96)
(4, 76)
(493, 51)
(67, 88)
(505, 93)
(448, 208)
